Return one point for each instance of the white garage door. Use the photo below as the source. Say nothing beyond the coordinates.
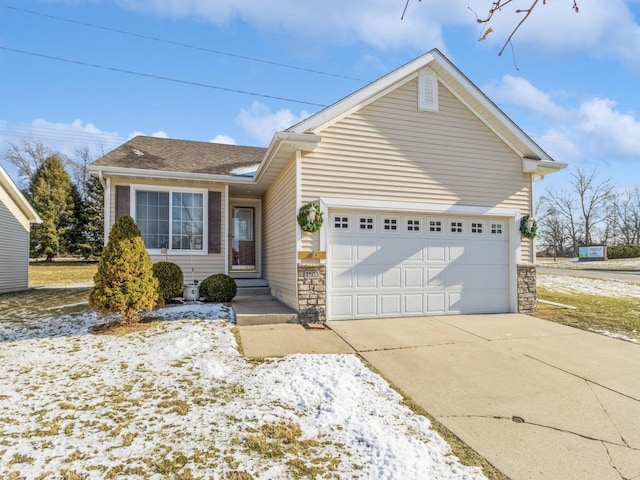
(397, 264)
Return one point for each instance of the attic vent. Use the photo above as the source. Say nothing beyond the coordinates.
(428, 92)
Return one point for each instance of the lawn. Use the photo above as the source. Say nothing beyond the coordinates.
(62, 273)
(177, 400)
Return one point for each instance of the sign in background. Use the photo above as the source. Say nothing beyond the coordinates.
(593, 252)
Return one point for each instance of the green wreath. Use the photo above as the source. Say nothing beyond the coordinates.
(528, 226)
(310, 217)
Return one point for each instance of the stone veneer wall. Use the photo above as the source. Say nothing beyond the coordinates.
(527, 296)
(312, 293)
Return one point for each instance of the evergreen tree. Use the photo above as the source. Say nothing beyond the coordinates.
(92, 219)
(50, 192)
(124, 283)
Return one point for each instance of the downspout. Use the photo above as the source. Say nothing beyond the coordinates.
(106, 187)
(534, 182)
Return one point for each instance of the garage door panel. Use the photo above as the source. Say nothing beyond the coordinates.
(436, 277)
(393, 272)
(367, 305)
(391, 304)
(341, 306)
(341, 277)
(414, 277)
(341, 251)
(392, 278)
(435, 303)
(366, 276)
(413, 304)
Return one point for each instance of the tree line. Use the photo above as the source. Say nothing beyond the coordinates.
(589, 211)
(68, 199)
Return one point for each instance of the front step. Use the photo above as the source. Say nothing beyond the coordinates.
(261, 310)
(252, 287)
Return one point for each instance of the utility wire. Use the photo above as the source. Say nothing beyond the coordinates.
(158, 77)
(180, 44)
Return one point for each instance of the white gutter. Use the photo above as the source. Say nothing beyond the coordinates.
(299, 141)
(144, 173)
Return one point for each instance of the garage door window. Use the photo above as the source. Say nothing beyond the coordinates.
(341, 223)
(435, 226)
(456, 227)
(366, 223)
(497, 229)
(390, 224)
(477, 228)
(413, 225)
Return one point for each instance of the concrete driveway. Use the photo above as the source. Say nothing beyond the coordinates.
(537, 399)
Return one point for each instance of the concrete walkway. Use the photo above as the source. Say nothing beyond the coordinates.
(537, 399)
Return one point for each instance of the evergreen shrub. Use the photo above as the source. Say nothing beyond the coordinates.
(124, 283)
(170, 279)
(623, 251)
(219, 288)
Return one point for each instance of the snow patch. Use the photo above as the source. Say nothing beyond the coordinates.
(248, 171)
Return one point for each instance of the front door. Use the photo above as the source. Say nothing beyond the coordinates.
(243, 241)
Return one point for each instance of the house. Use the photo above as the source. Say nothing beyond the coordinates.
(420, 179)
(16, 217)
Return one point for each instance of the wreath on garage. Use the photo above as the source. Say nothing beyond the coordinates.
(310, 217)
(528, 226)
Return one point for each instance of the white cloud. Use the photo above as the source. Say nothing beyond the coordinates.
(594, 128)
(158, 134)
(227, 140)
(375, 22)
(603, 27)
(519, 91)
(262, 124)
(60, 137)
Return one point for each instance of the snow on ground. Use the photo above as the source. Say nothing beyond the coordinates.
(178, 401)
(590, 286)
(574, 263)
(614, 335)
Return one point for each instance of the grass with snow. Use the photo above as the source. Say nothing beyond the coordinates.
(176, 400)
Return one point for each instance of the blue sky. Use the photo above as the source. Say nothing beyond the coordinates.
(572, 81)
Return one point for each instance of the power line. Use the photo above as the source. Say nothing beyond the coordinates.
(159, 77)
(180, 44)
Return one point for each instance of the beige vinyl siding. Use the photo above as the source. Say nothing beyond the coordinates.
(279, 236)
(391, 151)
(196, 266)
(14, 246)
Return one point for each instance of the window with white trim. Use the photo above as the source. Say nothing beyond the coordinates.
(496, 228)
(390, 224)
(435, 226)
(414, 225)
(174, 220)
(340, 222)
(455, 226)
(366, 223)
(477, 228)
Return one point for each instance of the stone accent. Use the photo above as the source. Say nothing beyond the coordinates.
(312, 293)
(527, 296)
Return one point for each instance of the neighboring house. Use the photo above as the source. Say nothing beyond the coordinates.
(422, 181)
(16, 217)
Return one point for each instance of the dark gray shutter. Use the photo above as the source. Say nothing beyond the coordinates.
(123, 200)
(215, 222)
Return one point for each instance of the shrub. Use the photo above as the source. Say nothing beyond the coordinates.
(124, 282)
(623, 251)
(218, 288)
(170, 279)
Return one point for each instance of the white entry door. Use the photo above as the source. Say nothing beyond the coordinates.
(398, 264)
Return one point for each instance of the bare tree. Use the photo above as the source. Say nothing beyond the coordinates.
(560, 219)
(79, 169)
(27, 156)
(593, 198)
(496, 7)
(625, 217)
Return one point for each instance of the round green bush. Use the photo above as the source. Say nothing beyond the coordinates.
(170, 278)
(219, 288)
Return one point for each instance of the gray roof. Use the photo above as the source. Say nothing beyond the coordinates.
(169, 155)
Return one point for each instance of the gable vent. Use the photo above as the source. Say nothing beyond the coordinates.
(428, 92)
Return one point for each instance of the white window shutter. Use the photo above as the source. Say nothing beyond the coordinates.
(428, 92)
